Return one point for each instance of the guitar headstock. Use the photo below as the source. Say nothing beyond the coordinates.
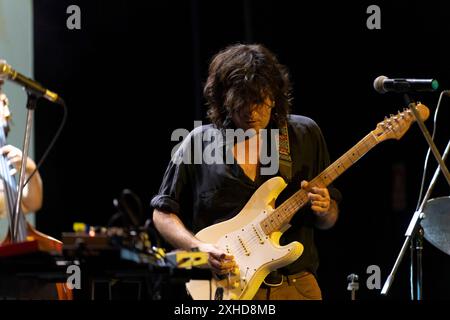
(396, 125)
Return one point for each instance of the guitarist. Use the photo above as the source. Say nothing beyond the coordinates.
(247, 88)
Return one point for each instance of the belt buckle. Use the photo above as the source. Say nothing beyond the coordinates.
(274, 284)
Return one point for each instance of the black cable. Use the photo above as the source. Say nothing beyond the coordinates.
(135, 220)
(419, 200)
(50, 146)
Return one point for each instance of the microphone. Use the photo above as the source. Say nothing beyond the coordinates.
(7, 72)
(383, 84)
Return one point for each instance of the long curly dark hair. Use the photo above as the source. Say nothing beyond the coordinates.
(246, 74)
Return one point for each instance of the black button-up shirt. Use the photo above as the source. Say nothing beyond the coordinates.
(204, 194)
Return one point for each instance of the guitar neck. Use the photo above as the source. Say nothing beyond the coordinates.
(284, 213)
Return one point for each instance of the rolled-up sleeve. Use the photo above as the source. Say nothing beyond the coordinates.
(174, 189)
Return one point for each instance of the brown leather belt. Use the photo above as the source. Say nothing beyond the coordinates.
(275, 279)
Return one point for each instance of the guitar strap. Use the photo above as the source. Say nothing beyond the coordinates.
(285, 160)
(275, 278)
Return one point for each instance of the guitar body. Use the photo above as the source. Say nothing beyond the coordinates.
(256, 254)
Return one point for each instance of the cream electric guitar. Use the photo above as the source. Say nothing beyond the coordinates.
(252, 236)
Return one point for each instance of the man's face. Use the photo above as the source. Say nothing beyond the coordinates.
(256, 116)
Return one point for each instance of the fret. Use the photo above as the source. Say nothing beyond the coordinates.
(265, 227)
(276, 218)
(285, 212)
(347, 162)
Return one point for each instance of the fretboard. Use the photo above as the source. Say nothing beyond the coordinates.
(284, 213)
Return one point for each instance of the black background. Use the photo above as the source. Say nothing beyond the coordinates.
(134, 73)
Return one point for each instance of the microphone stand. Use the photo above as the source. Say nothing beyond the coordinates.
(31, 105)
(418, 215)
(353, 285)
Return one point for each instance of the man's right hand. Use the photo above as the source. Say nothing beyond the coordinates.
(220, 262)
(174, 231)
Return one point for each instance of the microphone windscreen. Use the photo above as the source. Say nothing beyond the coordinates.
(378, 84)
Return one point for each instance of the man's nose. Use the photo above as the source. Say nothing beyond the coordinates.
(253, 108)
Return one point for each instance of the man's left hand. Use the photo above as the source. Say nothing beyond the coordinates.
(319, 197)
